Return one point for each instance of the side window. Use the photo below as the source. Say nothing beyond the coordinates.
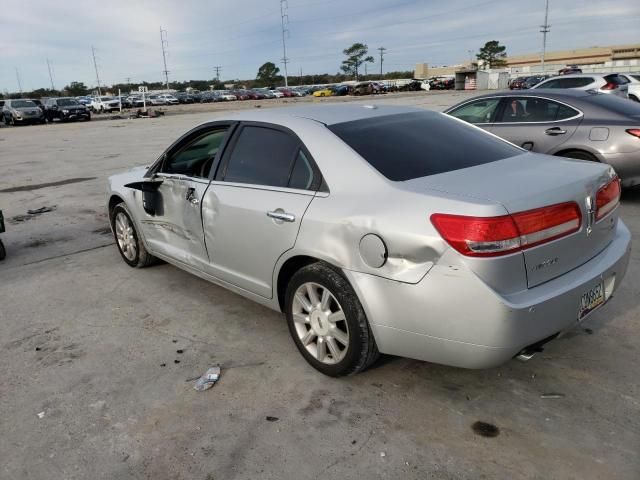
(196, 157)
(262, 156)
(480, 111)
(302, 173)
(532, 109)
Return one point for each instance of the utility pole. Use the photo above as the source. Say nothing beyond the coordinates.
(470, 52)
(300, 76)
(546, 28)
(95, 65)
(19, 82)
(217, 68)
(381, 50)
(285, 21)
(164, 43)
(50, 75)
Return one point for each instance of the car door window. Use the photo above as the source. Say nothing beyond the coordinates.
(196, 157)
(479, 111)
(534, 109)
(261, 156)
(567, 82)
(302, 174)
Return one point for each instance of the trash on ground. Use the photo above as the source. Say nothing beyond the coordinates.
(41, 415)
(552, 395)
(40, 210)
(206, 381)
(383, 454)
(272, 419)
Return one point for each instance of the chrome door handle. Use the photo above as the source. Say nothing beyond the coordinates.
(191, 196)
(555, 131)
(281, 215)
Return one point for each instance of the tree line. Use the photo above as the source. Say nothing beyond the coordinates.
(357, 55)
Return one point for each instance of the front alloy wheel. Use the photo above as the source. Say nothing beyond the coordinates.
(129, 243)
(327, 321)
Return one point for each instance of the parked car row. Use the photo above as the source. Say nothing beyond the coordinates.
(28, 111)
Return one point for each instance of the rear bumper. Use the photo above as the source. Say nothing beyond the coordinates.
(452, 317)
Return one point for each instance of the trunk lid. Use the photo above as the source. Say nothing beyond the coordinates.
(530, 181)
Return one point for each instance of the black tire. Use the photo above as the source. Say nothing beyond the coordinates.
(362, 350)
(634, 98)
(3, 251)
(88, 119)
(579, 155)
(142, 258)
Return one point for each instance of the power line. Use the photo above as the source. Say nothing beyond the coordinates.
(285, 31)
(19, 82)
(381, 50)
(95, 65)
(546, 28)
(50, 75)
(164, 43)
(217, 68)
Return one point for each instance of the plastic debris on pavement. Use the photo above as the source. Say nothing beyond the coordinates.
(41, 415)
(206, 381)
(552, 395)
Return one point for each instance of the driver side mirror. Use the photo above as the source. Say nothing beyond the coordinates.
(150, 195)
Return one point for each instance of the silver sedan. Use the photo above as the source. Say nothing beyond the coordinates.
(569, 123)
(381, 230)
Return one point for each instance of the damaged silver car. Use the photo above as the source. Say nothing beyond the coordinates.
(381, 230)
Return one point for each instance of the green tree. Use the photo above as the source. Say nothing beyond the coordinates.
(75, 89)
(356, 56)
(493, 54)
(268, 74)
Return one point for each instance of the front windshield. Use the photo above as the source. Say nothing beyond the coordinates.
(64, 102)
(22, 104)
(106, 99)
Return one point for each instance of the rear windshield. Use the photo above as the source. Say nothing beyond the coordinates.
(413, 145)
(615, 104)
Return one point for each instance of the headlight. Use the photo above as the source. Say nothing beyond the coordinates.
(65, 111)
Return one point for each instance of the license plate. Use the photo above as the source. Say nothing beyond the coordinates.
(590, 300)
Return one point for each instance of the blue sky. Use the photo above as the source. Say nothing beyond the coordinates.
(240, 36)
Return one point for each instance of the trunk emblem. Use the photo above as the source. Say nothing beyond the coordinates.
(591, 213)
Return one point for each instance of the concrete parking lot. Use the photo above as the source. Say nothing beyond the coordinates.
(98, 360)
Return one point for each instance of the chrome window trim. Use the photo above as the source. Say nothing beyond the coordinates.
(295, 191)
(580, 113)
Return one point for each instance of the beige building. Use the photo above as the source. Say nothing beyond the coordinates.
(584, 56)
(594, 59)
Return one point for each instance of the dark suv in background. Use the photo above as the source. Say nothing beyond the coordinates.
(21, 110)
(64, 109)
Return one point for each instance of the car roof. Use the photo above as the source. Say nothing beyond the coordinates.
(583, 75)
(326, 114)
(556, 93)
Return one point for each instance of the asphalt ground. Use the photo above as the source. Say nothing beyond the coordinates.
(98, 360)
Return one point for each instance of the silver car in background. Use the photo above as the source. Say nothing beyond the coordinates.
(601, 82)
(569, 123)
(381, 229)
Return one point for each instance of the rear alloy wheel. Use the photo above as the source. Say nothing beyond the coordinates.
(579, 155)
(129, 244)
(327, 322)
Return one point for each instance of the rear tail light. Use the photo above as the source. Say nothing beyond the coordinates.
(634, 131)
(608, 198)
(609, 86)
(494, 236)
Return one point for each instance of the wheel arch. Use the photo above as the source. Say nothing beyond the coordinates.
(290, 266)
(588, 151)
(114, 200)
